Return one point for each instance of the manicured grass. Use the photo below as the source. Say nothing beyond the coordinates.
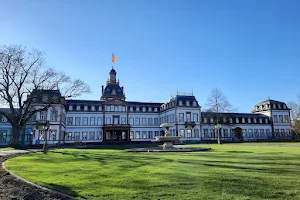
(6, 148)
(229, 171)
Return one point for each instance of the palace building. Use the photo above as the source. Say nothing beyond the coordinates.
(112, 119)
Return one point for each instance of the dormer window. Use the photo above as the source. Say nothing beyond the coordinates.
(274, 106)
(131, 108)
(70, 107)
(279, 106)
(85, 108)
(187, 103)
(194, 103)
(284, 106)
(255, 120)
(204, 120)
(237, 120)
(155, 109)
(149, 109)
(93, 108)
(243, 120)
(144, 109)
(180, 103)
(266, 120)
(100, 108)
(230, 120)
(260, 120)
(211, 120)
(249, 120)
(137, 109)
(77, 107)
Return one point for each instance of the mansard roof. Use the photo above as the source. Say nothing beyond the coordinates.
(88, 102)
(151, 104)
(115, 101)
(210, 114)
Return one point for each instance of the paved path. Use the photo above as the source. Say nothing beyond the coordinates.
(16, 151)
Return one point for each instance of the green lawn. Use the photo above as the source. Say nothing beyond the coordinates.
(229, 171)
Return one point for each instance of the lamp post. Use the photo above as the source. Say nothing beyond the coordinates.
(218, 128)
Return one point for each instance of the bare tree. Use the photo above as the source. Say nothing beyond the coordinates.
(24, 79)
(217, 105)
(295, 116)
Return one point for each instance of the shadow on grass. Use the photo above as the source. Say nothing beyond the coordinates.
(63, 189)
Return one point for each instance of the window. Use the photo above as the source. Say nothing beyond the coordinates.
(92, 121)
(213, 133)
(84, 135)
(131, 121)
(144, 109)
(249, 120)
(144, 121)
(53, 115)
(137, 121)
(43, 115)
(108, 120)
(286, 119)
(70, 121)
(91, 135)
(187, 103)
(99, 135)
(182, 133)
(260, 120)
(266, 120)
(99, 121)
(256, 132)
(149, 109)
(225, 132)
(268, 134)
(156, 121)
(123, 120)
(194, 103)
(262, 133)
(107, 108)
(196, 133)
(69, 136)
(180, 103)
(237, 120)
(282, 132)
(116, 108)
(150, 121)
(77, 136)
(77, 121)
(131, 135)
(230, 120)
(42, 135)
(255, 120)
(188, 116)
(107, 135)
(84, 121)
(173, 118)
(181, 117)
(156, 133)
(277, 132)
(137, 134)
(244, 132)
(211, 120)
(275, 120)
(112, 108)
(250, 131)
(150, 134)
(243, 120)
(206, 132)
(116, 119)
(195, 116)
(280, 119)
(144, 134)
(189, 133)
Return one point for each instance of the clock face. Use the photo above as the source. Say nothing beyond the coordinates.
(108, 89)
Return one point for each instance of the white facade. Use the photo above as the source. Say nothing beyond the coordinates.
(114, 120)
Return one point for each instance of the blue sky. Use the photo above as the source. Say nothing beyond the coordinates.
(248, 49)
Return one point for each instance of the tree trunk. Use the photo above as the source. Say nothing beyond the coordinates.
(16, 131)
(219, 136)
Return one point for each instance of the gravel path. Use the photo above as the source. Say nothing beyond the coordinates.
(13, 188)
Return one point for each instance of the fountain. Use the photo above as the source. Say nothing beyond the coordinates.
(168, 143)
(167, 138)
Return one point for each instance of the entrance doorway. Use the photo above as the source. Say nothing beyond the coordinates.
(116, 136)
